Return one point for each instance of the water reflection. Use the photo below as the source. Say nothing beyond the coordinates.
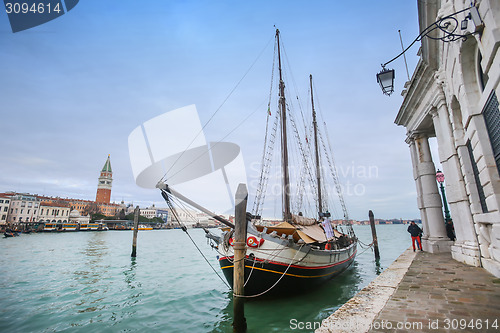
(91, 273)
(275, 314)
(93, 254)
(378, 268)
(130, 275)
(88, 281)
(133, 296)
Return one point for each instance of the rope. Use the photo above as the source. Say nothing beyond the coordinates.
(216, 143)
(183, 227)
(284, 273)
(251, 271)
(268, 150)
(365, 250)
(204, 257)
(218, 109)
(169, 200)
(365, 245)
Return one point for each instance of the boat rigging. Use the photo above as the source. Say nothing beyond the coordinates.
(296, 253)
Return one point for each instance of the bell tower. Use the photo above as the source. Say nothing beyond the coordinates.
(104, 184)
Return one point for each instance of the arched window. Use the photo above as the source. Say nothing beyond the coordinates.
(482, 77)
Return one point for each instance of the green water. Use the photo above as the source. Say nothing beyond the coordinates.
(87, 282)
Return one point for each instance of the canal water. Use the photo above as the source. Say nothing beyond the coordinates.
(87, 282)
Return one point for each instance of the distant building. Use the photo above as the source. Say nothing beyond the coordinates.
(4, 208)
(75, 217)
(104, 183)
(87, 206)
(163, 214)
(54, 212)
(453, 96)
(79, 205)
(149, 212)
(23, 208)
(110, 209)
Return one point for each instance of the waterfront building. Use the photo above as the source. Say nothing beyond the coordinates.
(104, 183)
(163, 213)
(79, 204)
(85, 207)
(110, 209)
(54, 212)
(75, 217)
(4, 208)
(24, 208)
(453, 96)
(149, 212)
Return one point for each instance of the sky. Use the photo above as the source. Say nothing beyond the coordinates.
(73, 89)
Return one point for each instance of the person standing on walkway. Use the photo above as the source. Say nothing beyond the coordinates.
(450, 230)
(415, 232)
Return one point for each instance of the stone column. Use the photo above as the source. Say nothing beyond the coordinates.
(414, 161)
(437, 241)
(465, 248)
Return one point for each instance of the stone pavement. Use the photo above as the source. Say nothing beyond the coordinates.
(439, 294)
(358, 314)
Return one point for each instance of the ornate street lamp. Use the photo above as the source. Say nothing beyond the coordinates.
(449, 26)
(440, 180)
(386, 80)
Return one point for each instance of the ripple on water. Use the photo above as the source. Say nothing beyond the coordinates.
(87, 282)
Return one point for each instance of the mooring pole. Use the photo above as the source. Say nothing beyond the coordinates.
(374, 235)
(240, 237)
(136, 229)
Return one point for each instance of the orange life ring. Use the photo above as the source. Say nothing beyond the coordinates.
(252, 241)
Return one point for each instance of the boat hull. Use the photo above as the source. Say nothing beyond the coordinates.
(275, 265)
(277, 278)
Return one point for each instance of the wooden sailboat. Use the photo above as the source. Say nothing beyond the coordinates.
(295, 254)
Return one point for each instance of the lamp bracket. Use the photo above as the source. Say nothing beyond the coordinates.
(449, 25)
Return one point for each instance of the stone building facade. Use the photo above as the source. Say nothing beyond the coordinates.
(23, 208)
(4, 208)
(55, 212)
(453, 96)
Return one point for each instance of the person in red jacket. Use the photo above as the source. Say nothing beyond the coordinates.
(415, 232)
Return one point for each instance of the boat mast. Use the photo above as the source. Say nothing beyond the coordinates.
(316, 149)
(287, 216)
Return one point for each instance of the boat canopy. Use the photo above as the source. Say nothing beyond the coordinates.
(309, 234)
(302, 220)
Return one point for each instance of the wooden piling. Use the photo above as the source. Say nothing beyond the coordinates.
(374, 235)
(136, 229)
(240, 236)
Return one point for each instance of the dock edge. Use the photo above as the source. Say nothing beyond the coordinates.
(358, 314)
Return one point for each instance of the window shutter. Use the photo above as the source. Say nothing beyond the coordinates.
(492, 118)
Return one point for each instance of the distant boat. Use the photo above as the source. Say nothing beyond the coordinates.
(69, 227)
(10, 234)
(143, 227)
(92, 227)
(49, 227)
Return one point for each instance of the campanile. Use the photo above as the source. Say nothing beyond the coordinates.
(104, 184)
